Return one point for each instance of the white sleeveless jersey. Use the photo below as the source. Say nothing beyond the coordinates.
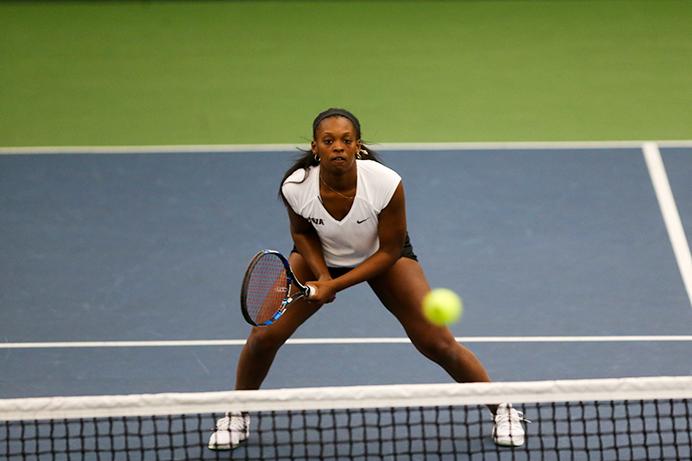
(348, 242)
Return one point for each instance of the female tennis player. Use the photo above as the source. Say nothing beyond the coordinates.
(348, 222)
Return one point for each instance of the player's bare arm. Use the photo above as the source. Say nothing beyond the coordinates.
(308, 244)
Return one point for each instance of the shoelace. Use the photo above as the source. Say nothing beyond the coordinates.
(509, 416)
(231, 422)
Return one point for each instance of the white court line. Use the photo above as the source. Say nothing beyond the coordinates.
(669, 210)
(335, 341)
(231, 148)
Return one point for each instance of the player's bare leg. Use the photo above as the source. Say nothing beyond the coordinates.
(264, 342)
(256, 358)
(401, 289)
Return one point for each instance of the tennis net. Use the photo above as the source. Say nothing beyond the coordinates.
(605, 419)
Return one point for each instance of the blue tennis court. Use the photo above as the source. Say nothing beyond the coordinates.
(560, 252)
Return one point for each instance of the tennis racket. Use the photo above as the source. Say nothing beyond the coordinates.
(269, 287)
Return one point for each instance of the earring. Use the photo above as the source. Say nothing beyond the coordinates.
(361, 153)
(317, 158)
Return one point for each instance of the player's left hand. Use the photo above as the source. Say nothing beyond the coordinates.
(324, 291)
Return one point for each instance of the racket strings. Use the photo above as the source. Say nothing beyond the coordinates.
(266, 289)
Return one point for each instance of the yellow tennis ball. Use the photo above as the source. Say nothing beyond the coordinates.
(442, 306)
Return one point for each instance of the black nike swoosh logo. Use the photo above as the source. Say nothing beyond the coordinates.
(362, 221)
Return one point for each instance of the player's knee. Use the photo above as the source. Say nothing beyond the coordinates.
(262, 342)
(436, 349)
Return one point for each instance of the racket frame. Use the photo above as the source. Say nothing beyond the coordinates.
(303, 290)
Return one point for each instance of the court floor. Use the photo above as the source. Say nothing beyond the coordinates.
(121, 271)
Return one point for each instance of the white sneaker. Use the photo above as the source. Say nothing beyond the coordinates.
(508, 430)
(230, 431)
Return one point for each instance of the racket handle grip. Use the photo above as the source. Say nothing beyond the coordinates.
(310, 291)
